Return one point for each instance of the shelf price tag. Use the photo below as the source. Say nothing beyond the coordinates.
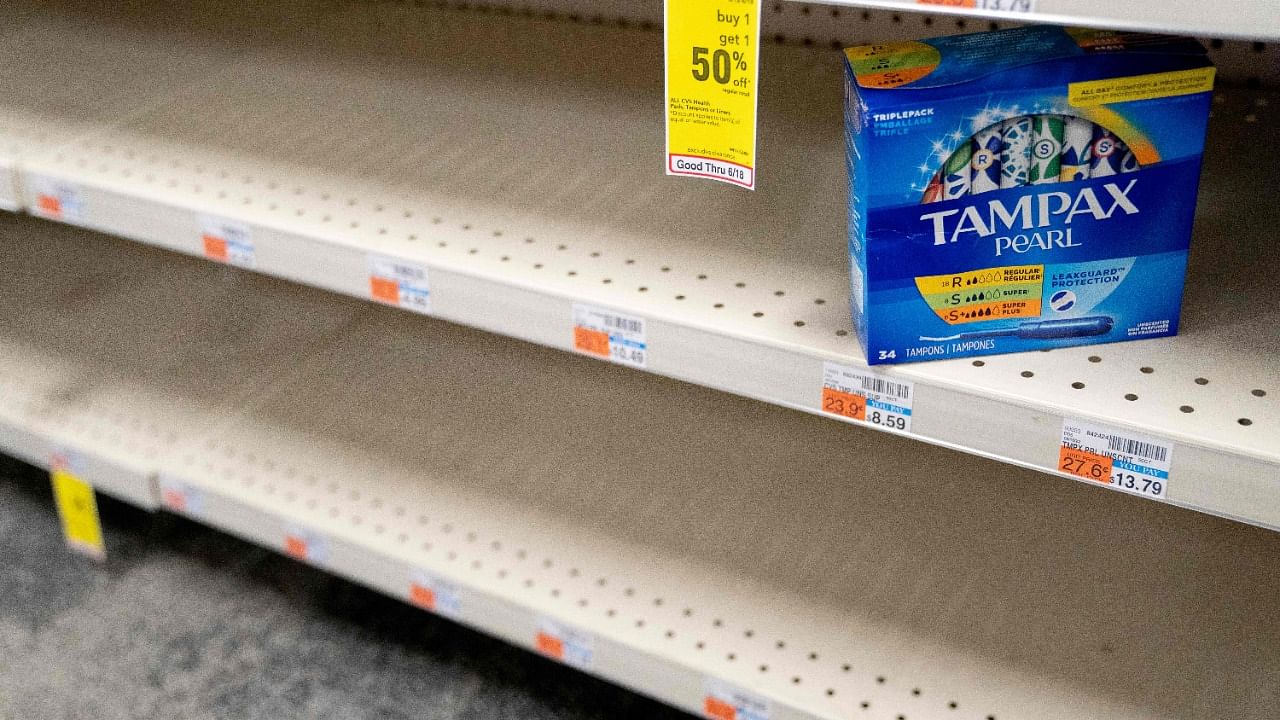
(433, 594)
(399, 283)
(1124, 460)
(56, 200)
(610, 335)
(77, 508)
(181, 498)
(867, 397)
(712, 66)
(557, 641)
(306, 545)
(227, 241)
(723, 701)
(1001, 6)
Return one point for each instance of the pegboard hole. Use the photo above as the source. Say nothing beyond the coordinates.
(1077, 385)
(1027, 374)
(1202, 381)
(1187, 409)
(1258, 392)
(1095, 359)
(1146, 370)
(1245, 422)
(978, 363)
(1130, 397)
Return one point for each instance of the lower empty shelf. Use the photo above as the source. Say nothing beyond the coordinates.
(705, 549)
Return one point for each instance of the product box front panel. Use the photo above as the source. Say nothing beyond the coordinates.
(1042, 204)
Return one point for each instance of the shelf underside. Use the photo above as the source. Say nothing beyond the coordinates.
(692, 534)
(1253, 19)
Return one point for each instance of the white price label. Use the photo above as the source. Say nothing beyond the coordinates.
(179, 497)
(867, 397)
(227, 241)
(726, 702)
(56, 199)
(610, 335)
(1127, 461)
(431, 593)
(568, 645)
(399, 283)
(306, 545)
(999, 6)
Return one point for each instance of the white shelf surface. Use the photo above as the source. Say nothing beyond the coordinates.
(692, 537)
(1252, 19)
(503, 155)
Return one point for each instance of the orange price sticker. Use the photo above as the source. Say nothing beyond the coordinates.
(49, 205)
(549, 645)
(384, 290)
(716, 709)
(591, 342)
(570, 646)
(423, 597)
(1085, 464)
(215, 248)
(844, 404)
(295, 547)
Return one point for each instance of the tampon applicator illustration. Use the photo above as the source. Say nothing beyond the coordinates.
(1041, 330)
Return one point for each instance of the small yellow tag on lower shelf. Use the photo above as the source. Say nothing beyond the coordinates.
(78, 509)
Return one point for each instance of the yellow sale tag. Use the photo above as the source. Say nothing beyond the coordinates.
(78, 509)
(712, 58)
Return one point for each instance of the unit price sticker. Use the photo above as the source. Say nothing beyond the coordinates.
(712, 66)
(1124, 460)
(306, 545)
(227, 241)
(610, 335)
(56, 200)
(999, 6)
(434, 595)
(723, 701)
(399, 283)
(181, 498)
(866, 397)
(557, 641)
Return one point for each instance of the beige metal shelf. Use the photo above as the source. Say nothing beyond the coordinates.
(682, 540)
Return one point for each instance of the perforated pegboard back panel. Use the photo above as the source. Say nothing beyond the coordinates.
(824, 27)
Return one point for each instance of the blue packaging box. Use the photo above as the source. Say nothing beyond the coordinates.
(1021, 189)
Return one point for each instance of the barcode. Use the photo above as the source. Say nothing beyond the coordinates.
(896, 390)
(614, 322)
(1145, 450)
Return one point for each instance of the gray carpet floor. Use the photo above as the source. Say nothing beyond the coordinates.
(185, 622)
